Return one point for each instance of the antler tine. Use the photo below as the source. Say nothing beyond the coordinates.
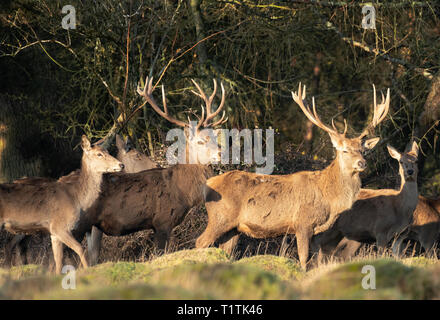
(199, 124)
(147, 94)
(310, 114)
(345, 127)
(210, 116)
(211, 97)
(380, 111)
(208, 102)
(201, 94)
(219, 122)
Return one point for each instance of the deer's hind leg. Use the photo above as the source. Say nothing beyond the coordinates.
(229, 241)
(94, 239)
(67, 238)
(57, 248)
(303, 238)
(15, 242)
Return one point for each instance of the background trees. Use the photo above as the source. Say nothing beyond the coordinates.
(57, 84)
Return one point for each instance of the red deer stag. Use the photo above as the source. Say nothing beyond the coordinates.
(159, 199)
(377, 215)
(303, 203)
(57, 207)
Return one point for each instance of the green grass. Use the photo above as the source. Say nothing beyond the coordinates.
(394, 280)
(212, 274)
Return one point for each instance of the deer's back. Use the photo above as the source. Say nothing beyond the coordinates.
(131, 201)
(425, 212)
(375, 211)
(31, 206)
(268, 205)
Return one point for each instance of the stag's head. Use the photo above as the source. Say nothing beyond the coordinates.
(97, 159)
(349, 150)
(201, 144)
(407, 161)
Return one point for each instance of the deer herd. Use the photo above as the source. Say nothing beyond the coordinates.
(327, 210)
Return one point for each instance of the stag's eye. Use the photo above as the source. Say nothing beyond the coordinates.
(200, 142)
(100, 155)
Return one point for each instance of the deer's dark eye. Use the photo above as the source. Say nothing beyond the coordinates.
(200, 142)
(100, 155)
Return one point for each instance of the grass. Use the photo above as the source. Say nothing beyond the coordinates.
(212, 274)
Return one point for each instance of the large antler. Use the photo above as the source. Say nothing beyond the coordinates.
(147, 94)
(380, 111)
(299, 98)
(208, 102)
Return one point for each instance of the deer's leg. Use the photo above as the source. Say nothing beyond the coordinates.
(212, 232)
(229, 241)
(57, 249)
(67, 238)
(325, 243)
(303, 242)
(94, 245)
(161, 237)
(22, 250)
(9, 248)
(350, 249)
(397, 246)
(381, 243)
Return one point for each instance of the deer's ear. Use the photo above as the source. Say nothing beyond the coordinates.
(120, 143)
(393, 153)
(85, 143)
(370, 143)
(415, 149)
(337, 142)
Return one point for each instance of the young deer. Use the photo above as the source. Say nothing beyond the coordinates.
(377, 215)
(133, 160)
(425, 226)
(160, 198)
(303, 203)
(57, 207)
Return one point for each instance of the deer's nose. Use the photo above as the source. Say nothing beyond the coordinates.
(361, 164)
(410, 172)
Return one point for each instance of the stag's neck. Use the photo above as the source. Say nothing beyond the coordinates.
(342, 184)
(89, 186)
(191, 179)
(340, 188)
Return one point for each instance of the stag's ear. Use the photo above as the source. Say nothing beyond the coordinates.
(370, 143)
(85, 143)
(393, 153)
(120, 143)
